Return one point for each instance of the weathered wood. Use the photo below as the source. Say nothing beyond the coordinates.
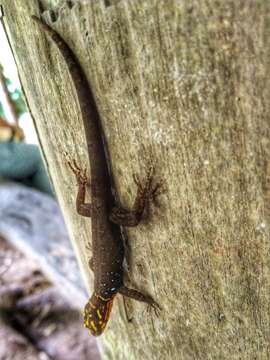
(184, 83)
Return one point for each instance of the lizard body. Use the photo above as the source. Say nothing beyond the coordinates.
(107, 241)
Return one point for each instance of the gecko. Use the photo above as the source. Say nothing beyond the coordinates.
(107, 217)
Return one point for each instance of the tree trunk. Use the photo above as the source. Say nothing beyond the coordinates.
(184, 84)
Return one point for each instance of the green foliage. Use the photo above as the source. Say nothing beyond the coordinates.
(15, 95)
(1, 110)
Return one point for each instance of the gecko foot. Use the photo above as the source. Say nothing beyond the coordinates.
(154, 306)
(146, 191)
(146, 188)
(81, 174)
(137, 295)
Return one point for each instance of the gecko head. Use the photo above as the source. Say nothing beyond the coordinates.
(96, 313)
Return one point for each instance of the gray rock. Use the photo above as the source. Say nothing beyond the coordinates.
(33, 223)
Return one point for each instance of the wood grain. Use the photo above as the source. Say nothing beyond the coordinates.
(184, 83)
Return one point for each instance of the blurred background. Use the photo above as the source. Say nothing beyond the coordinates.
(41, 290)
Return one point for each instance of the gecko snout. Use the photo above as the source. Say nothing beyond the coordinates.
(96, 313)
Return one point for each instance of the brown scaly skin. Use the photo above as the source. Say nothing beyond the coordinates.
(107, 242)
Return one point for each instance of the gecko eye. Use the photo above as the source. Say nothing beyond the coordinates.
(96, 314)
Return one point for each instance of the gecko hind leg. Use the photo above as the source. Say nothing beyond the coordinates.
(146, 192)
(83, 208)
(137, 295)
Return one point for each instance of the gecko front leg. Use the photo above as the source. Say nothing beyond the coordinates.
(146, 192)
(83, 208)
(137, 295)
